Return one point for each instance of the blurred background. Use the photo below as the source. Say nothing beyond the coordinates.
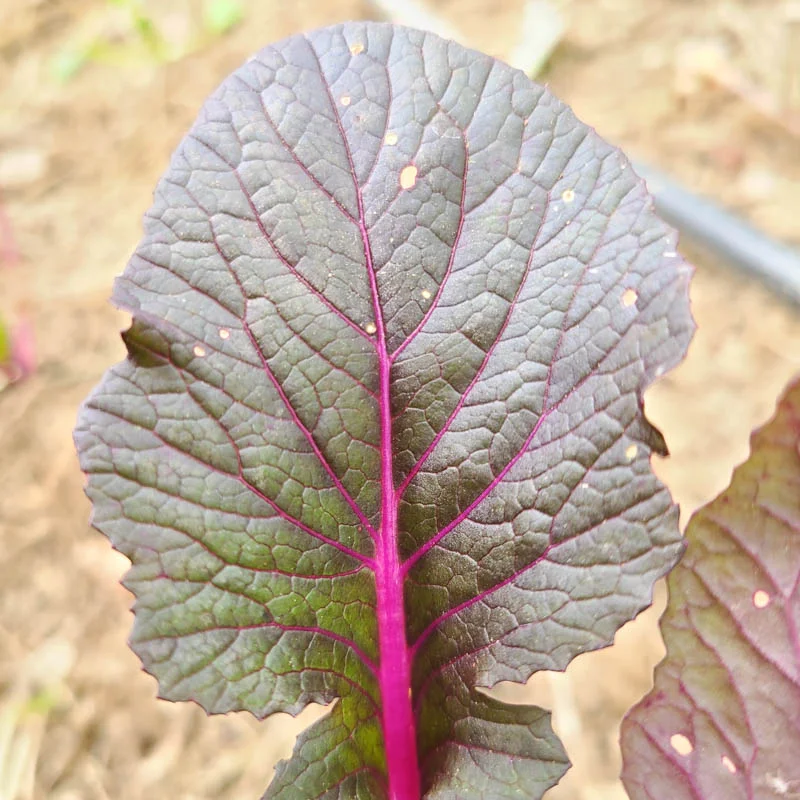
(94, 95)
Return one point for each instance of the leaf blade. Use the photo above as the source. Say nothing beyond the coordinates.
(372, 438)
(713, 725)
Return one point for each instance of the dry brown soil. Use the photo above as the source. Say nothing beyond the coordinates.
(77, 165)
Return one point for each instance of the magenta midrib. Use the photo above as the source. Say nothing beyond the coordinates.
(394, 677)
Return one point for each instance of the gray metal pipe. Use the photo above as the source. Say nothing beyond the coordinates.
(726, 235)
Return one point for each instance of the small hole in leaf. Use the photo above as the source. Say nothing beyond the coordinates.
(729, 765)
(408, 176)
(681, 744)
(630, 452)
(629, 297)
(345, 99)
(568, 195)
(199, 351)
(224, 333)
(426, 294)
(356, 48)
(391, 138)
(761, 599)
(370, 327)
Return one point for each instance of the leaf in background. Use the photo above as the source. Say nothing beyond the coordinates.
(23, 348)
(5, 343)
(380, 433)
(219, 16)
(723, 720)
(17, 351)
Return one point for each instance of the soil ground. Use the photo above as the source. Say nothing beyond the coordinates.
(78, 161)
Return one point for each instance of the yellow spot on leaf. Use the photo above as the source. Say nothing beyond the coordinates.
(681, 744)
(729, 765)
(345, 99)
(370, 327)
(224, 333)
(356, 48)
(408, 176)
(631, 451)
(629, 297)
(199, 351)
(568, 195)
(391, 138)
(761, 599)
(426, 294)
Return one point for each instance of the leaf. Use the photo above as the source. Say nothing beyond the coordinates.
(17, 351)
(5, 343)
(219, 16)
(380, 436)
(68, 63)
(723, 720)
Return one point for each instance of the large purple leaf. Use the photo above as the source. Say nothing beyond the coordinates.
(380, 435)
(723, 720)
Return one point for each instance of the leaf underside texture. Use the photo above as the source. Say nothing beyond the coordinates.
(723, 719)
(379, 437)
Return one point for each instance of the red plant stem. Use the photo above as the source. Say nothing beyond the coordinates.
(394, 676)
(399, 729)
